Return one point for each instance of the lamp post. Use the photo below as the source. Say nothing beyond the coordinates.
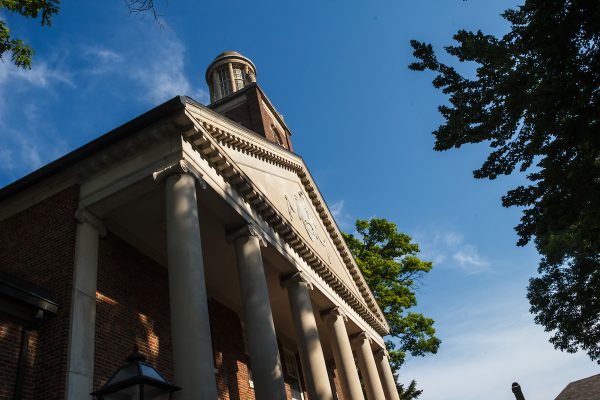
(137, 380)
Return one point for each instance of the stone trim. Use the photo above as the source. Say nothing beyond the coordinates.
(180, 167)
(84, 216)
(204, 140)
(245, 231)
(332, 313)
(297, 277)
(381, 354)
(358, 338)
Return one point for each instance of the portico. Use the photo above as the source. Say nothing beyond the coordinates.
(238, 279)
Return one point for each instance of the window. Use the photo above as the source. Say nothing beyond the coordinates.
(276, 136)
(238, 76)
(224, 82)
(291, 367)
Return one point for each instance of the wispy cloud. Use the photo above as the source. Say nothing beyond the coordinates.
(343, 218)
(22, 131)
(491, 344)
(149, 73)
(450, 248)
(165, 77)
(42, 75)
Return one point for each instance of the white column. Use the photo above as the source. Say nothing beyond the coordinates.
(258, 318)
(216, 86)
(309, 345)
(342, 354)
(190, 324)
(80, 372)
(368, 370)
(232, 77)
(386, 376)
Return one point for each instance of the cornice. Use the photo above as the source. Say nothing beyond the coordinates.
(207, 139)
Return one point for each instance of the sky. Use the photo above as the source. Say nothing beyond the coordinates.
(361, 120)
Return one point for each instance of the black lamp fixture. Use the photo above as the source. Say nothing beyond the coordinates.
(137, 380)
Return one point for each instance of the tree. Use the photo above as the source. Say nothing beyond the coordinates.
(20, 52)
(388, 260)
(410, 392)
(535, 100)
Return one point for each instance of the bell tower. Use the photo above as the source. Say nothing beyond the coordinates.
(234, 93)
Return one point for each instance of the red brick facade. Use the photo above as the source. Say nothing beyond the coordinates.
(132, 301)
(253, 114)
(38, 245)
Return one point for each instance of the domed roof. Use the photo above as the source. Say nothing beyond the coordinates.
(229, 53)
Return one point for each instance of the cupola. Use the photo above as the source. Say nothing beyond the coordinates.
(228, 73)
(235, 94)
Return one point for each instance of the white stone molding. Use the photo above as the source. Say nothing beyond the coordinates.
(358, 338)
(84, 216)
(381, 353)
(297, 277)
(246, 230)
(333, 313)
(207, 141)
(180, 167)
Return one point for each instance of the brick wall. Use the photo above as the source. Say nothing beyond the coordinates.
(38, 245)
(132, 307)
(253, 115)
(231, 361)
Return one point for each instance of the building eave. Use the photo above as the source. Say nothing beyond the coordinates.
(169, 107)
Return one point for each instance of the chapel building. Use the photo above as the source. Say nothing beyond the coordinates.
(197, 234)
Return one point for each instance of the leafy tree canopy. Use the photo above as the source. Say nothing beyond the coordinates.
(20, 53)
(388, 260)
(535, 99)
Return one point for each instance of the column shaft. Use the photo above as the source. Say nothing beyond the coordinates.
(387, 377)
(83, 312)
(216, 86)
(258, 319)
(190, 324)
(368, 369)
(231, 77)
(309, 345)
(342, 354)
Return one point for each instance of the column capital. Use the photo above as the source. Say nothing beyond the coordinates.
(359, 338)
(180, 167)
(84, 216)
(297, 277)
(246, 230)
(381, 354)
(332, 314)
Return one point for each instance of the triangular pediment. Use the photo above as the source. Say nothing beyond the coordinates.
(284, 189)
(277, 184)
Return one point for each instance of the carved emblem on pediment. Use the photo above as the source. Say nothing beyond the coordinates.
(297, 205)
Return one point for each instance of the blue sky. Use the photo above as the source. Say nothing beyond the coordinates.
(338, 73)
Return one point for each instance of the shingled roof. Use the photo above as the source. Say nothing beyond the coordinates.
(583, 389)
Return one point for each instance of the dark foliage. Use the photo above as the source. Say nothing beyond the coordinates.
(535, 100)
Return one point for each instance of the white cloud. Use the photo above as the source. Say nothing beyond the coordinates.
(40, 75)
(344, 220)
(151, 72)
(163, 76)
(468, 257)
(450, 249)
(492, 343)
(337, 208)
(102, 60)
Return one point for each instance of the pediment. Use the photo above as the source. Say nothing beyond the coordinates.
(278, 186)
(284, 189)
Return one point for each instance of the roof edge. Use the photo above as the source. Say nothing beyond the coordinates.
(175, 104)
